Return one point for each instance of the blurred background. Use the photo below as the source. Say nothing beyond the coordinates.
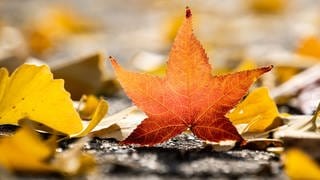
(237, 35)
(55, 29)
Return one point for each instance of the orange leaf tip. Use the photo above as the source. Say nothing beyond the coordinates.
(188, 12)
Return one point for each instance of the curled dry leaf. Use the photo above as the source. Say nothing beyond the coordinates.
(302, 132)
(98, 115)
(258, 111)
(88, 105)
(302, 123)
(188, 97)
(120, 125)
(85, 75)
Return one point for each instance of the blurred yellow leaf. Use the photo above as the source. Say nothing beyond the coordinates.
(25, 151)
(246, 64)
(309, 46)
(267, 6)
(160, 71)
(58, 23)
(171, 27)
(32, 93)
(258, 111)
(285, 73)
(90, 104)
(299, 165)
(101, 110)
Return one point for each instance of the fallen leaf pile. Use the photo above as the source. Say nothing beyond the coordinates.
(262, 94)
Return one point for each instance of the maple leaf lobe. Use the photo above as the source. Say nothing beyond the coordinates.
(188, 96)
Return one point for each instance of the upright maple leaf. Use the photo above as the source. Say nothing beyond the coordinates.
(188, 96)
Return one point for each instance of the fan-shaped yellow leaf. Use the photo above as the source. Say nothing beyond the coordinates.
(258, 110)
(32, 93)
(299, 165)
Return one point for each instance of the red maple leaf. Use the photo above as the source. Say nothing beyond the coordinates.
(188, 97)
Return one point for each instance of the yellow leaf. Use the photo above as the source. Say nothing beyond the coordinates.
(55, 25)
(267, 6)
(258, 111)
(160, 71)
(25, 151)
(246, 64)
(171, 27)
(32, 93)
(299, 165)
(285, 73)
(98, 115)
(90, 105)
(309, 46)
